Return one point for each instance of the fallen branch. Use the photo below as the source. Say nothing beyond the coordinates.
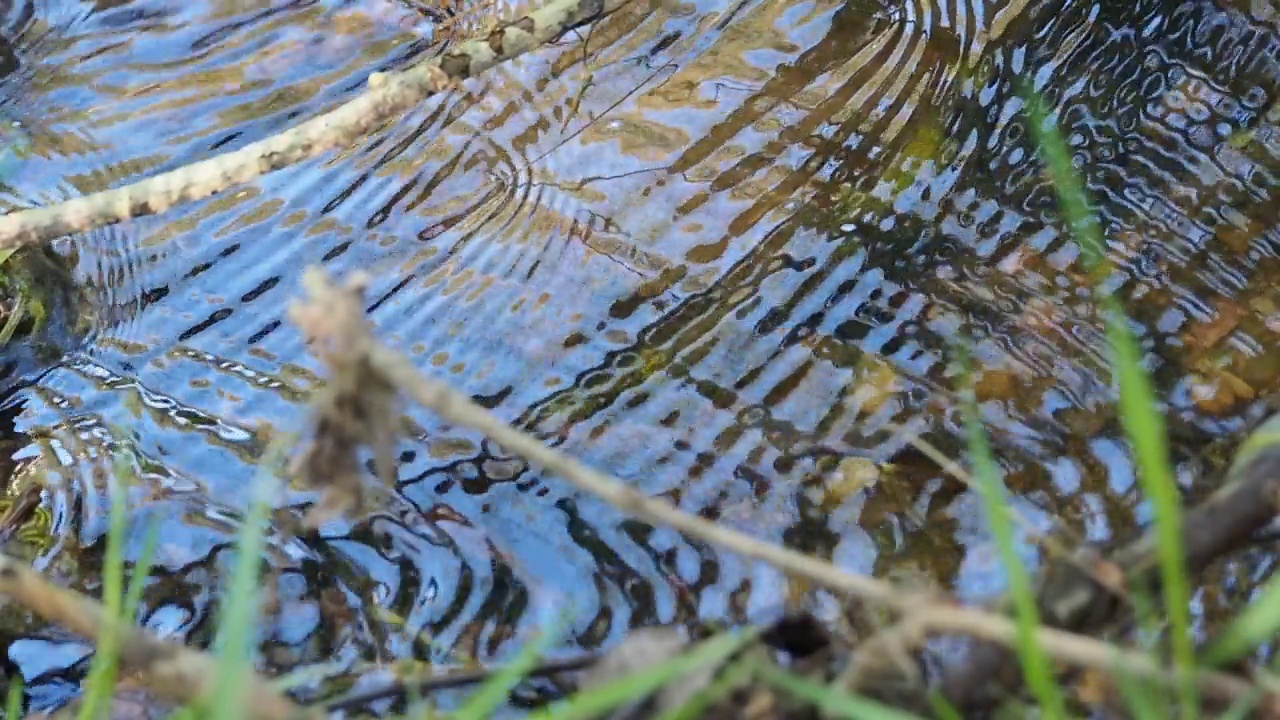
(929, 612)
(172, 671)
(389, 94)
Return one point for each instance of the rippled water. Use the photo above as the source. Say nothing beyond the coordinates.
(714, 248)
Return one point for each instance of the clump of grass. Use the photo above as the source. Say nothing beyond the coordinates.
(121, 606)
(595, 701)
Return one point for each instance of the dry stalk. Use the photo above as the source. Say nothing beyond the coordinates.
(389, 95)
(932, 613)
(172, 671)
(356, 408)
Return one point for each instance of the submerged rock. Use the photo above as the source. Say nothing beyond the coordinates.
(41, 312)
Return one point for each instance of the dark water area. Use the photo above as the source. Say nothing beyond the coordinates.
(715, 249)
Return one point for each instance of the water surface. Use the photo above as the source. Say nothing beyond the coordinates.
(715, 249)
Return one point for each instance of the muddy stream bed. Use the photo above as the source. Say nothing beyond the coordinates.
(718, 248)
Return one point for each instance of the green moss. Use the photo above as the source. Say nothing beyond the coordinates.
(32, 281)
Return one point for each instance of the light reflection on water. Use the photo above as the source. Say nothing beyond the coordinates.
(714, 249)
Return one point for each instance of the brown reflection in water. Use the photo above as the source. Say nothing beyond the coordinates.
(716, 248)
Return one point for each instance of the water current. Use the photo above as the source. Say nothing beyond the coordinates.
(720, 248)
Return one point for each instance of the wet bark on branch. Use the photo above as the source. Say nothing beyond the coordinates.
(389, 95)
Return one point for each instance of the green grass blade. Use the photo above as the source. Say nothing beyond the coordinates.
(141, 570)
(942, 709)
(13, 701)
(307, 674)
(1255, 625)
(1036, 667)
(1144, 700)
(426, 707)
(493, 693)
(595, 701)
(1142, 423)
(1072, 199)
(830, 701)
(237, 620)
(14, 320)
(121, 607)
(105, 665)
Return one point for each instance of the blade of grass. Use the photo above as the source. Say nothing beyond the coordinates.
(426, 706)
(1036, 667)
(13, 700)
(122, 607)
(141, 570)
(830, 701)
(1243, 708)
(238, 618)
(105, 665)
(1144, 700)
(597, 700)
(1143, 425)
(307, 674)
(1144, 609)
(426, 710)
(1256, 624)
(942, 709)
(494, 691)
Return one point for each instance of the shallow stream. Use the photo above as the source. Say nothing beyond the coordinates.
(715, 248)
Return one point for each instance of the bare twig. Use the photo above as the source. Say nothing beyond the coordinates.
(355, 408)
(930, 612)
(171, 670)
(389, 94)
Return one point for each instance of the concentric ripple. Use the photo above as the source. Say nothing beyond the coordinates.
(715, 249)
